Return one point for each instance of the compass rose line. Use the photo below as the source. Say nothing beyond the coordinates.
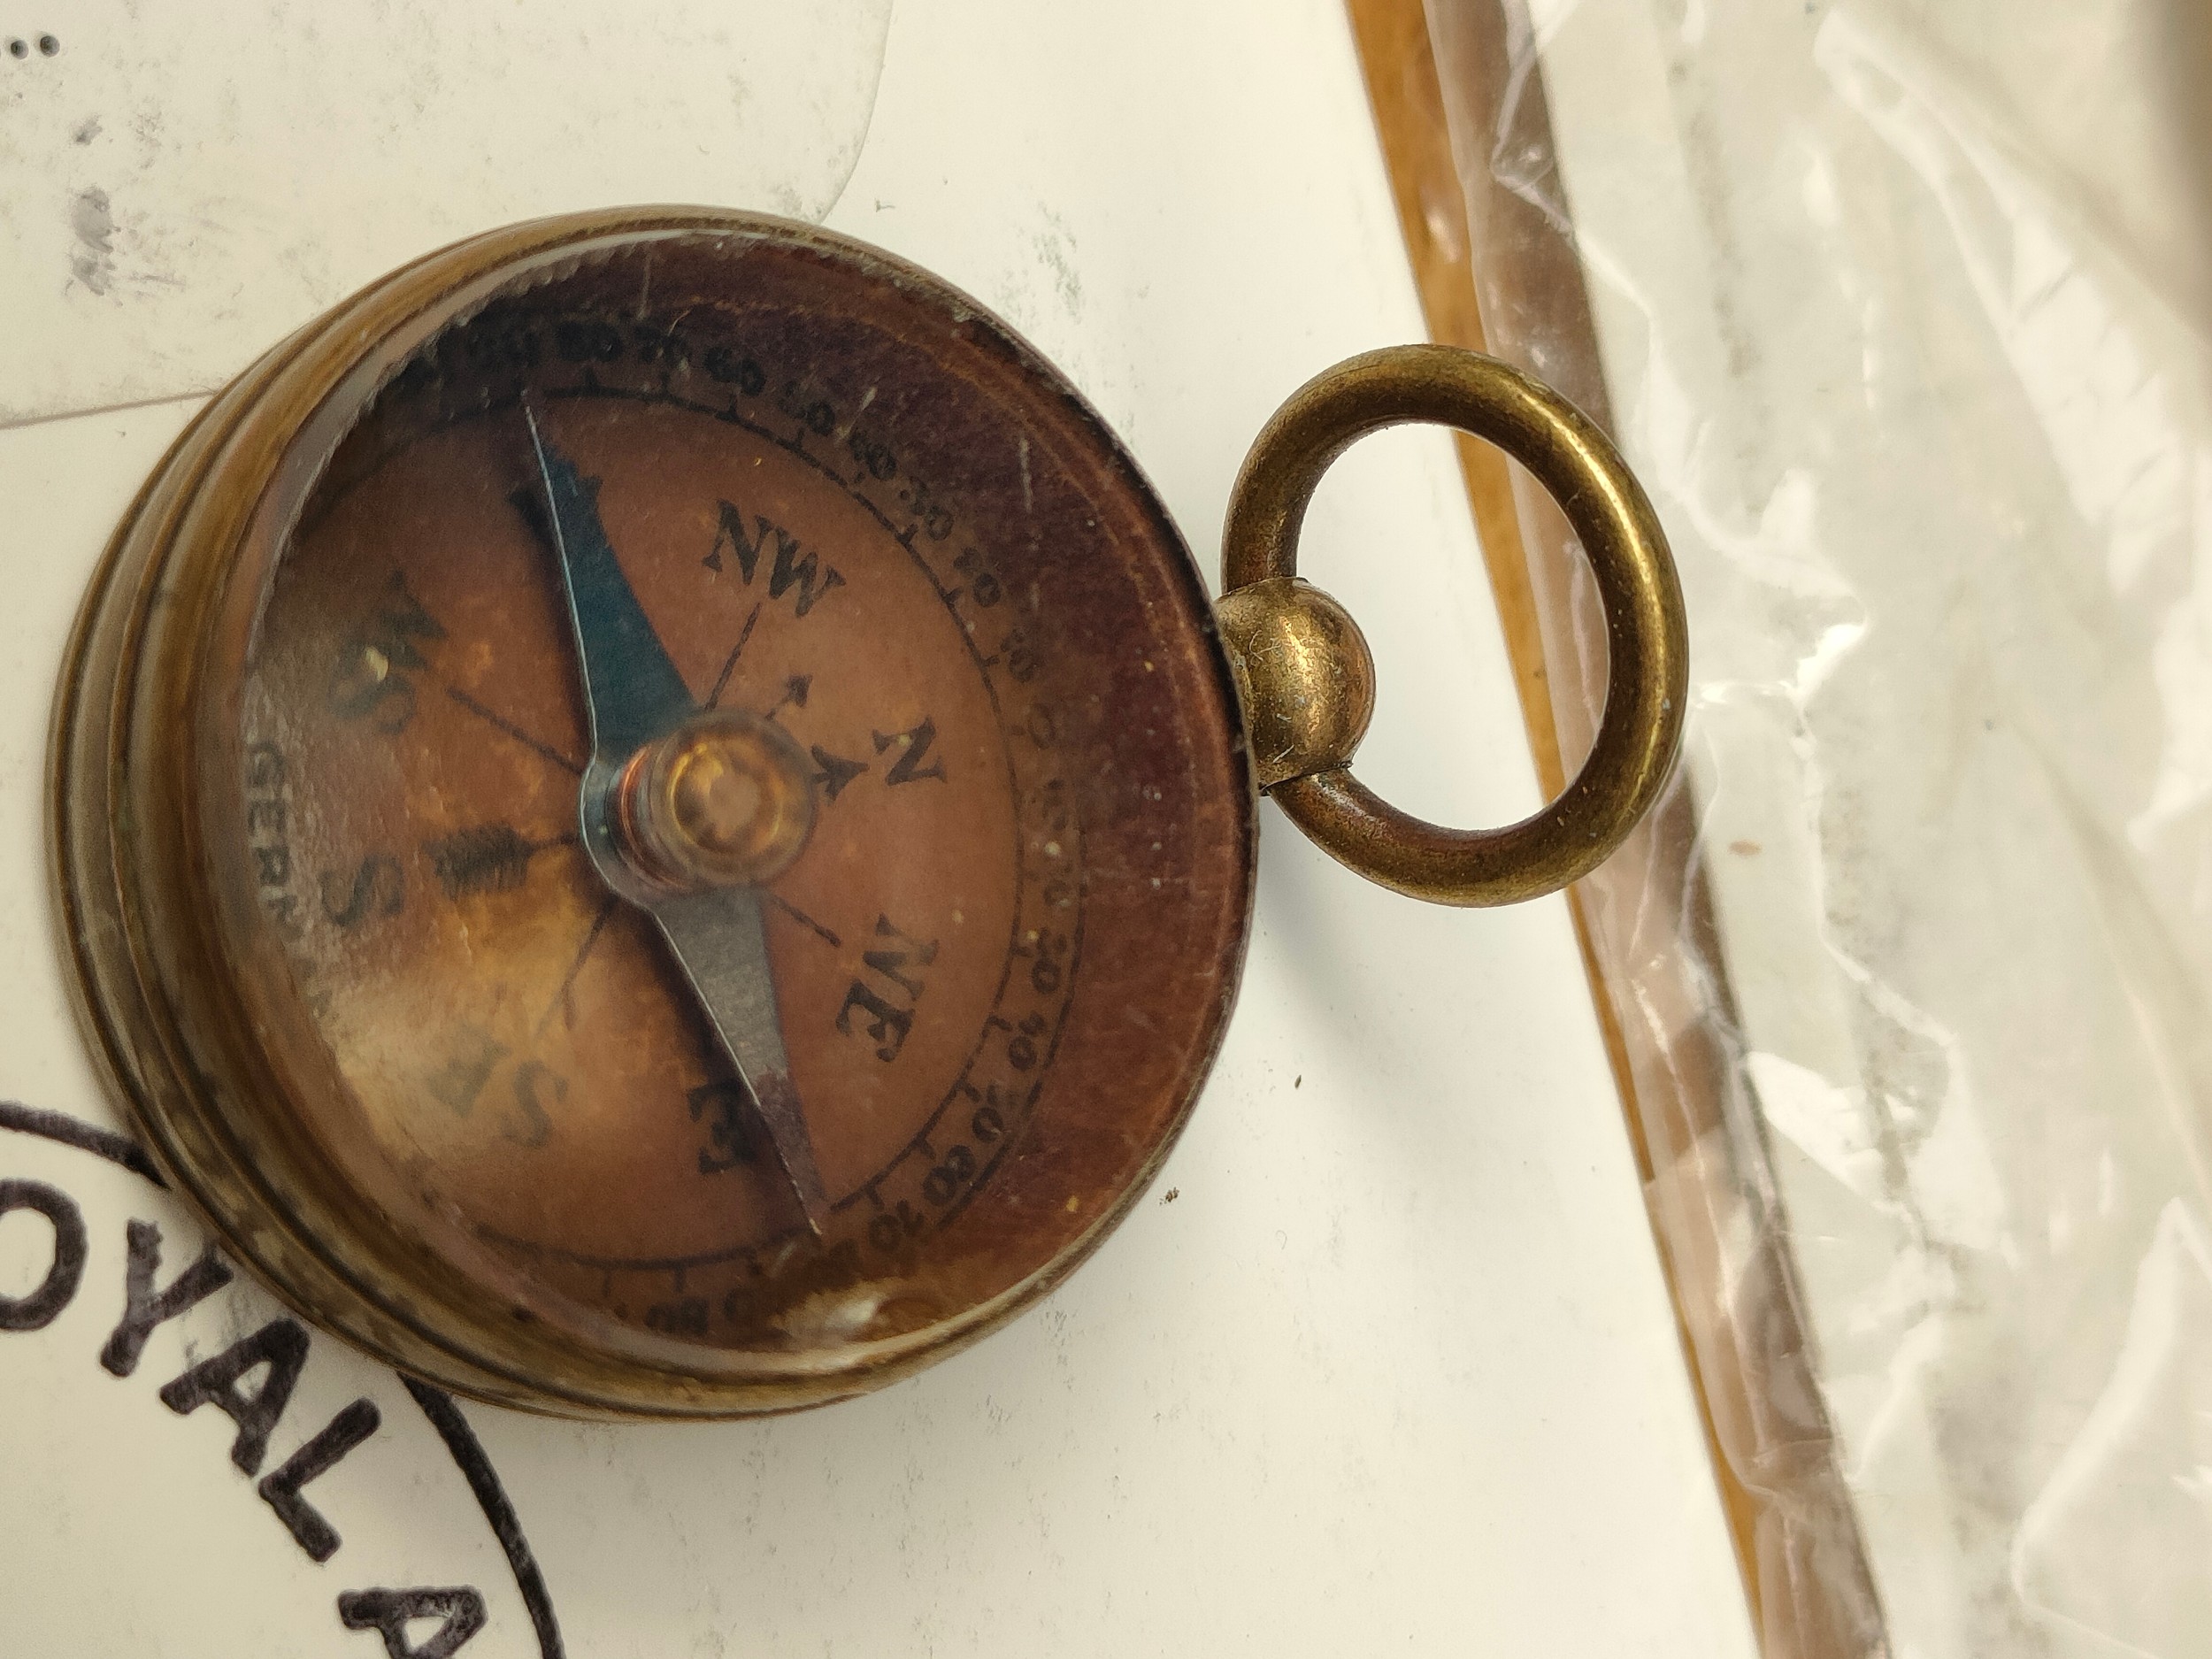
(576, 966)
(804, 920)
(501, 723)
(722, 681)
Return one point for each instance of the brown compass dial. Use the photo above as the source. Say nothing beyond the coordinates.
(732, 768)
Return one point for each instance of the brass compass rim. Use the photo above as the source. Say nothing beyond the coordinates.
(155, 1034)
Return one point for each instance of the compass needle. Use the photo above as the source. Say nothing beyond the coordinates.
(631, 691)
(720, 936)
(668, 787)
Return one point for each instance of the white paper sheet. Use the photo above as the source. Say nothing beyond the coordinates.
(1382, 1364)
(182, 183)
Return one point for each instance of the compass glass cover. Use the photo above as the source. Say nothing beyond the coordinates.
(747, 547)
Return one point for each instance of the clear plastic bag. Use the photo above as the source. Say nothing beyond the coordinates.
(1900, 312)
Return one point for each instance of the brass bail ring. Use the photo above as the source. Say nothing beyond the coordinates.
(1308, 678)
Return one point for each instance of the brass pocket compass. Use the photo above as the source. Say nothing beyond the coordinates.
(654, 820)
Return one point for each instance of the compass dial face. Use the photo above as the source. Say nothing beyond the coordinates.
(614, 563)
(521, 1029)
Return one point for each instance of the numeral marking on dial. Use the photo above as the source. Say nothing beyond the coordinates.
(943, 1184)
(1048, 953)
(1021, 1041)
(983, 583)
